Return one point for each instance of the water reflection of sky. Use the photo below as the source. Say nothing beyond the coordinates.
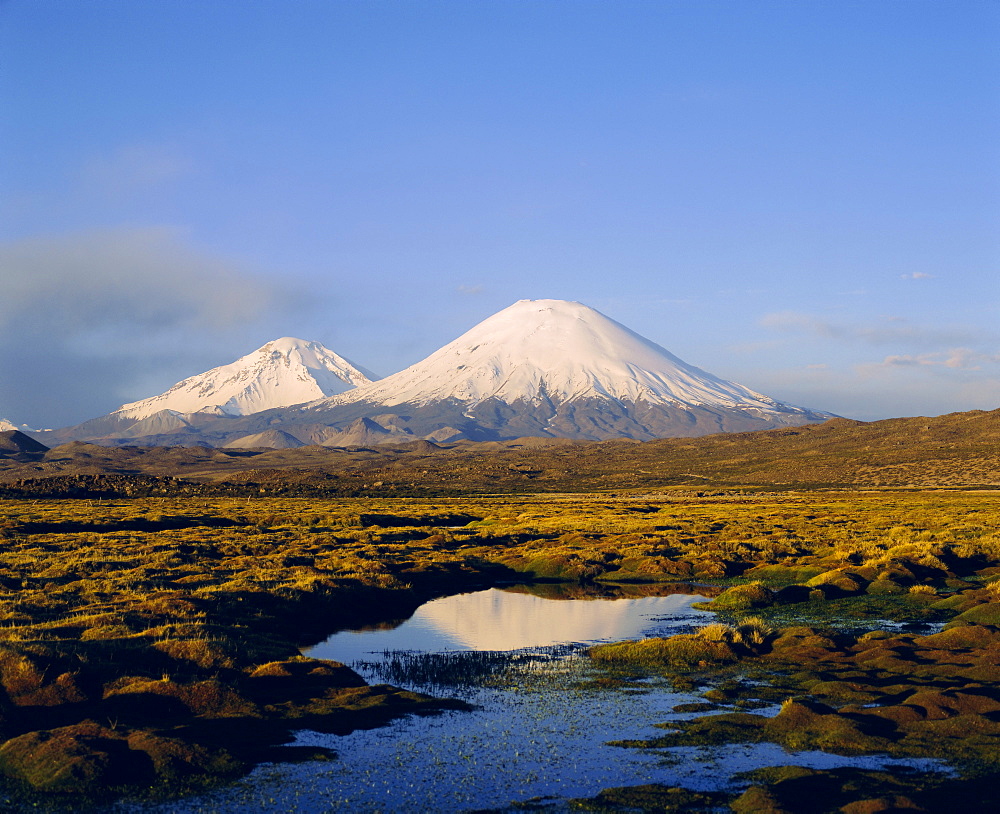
(505, 620)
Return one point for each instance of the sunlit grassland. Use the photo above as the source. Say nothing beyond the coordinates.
(165, 632)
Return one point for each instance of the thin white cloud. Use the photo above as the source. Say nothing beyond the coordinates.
(134, 167)
(798, 322)
(873, 391)
(890, 330)
(956, 359)
(917, 275)
(755, 347)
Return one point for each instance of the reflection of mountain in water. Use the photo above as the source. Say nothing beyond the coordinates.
(502, 620)
(509, 620)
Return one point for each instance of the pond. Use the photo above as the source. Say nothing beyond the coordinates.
(539, 726)
(505, 620)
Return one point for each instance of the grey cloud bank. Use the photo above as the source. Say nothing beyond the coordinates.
(83, 316)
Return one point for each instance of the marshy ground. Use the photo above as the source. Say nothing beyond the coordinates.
(150, 646)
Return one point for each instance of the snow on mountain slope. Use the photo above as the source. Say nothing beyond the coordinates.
(538, 350)
(281, 373)
(6, 425)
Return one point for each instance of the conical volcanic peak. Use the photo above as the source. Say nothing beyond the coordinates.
(553, 350)
(281, 373)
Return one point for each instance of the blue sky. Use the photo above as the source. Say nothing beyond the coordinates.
(799, 196)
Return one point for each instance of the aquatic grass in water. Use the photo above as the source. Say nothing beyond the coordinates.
(857, 614)
(459, 669)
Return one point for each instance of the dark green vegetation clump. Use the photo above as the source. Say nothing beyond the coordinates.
(739, 598)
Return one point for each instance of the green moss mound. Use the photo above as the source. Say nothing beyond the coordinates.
(741, 598)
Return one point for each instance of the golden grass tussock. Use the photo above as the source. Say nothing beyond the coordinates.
(716, 632)
(209, 698)
(682, 650)
(712, 644)
(201, 652)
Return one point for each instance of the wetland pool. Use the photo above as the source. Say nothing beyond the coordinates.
(539, 724)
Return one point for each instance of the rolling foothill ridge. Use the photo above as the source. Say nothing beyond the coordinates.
(953, 451)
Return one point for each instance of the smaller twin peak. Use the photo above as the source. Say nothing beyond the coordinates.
(281, 373)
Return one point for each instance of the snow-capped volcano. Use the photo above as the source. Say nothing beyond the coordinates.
(546, 368)
(553, 350)
(281, 373)
(543, 368)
